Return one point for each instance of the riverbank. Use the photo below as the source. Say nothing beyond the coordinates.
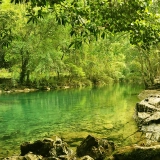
(90, 148)
(25, 89)
(20, 90)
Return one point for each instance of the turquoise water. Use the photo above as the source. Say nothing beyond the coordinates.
(71, 114)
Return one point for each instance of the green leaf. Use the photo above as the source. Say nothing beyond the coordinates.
(30, 19)
(72, 43)
(103, 35)
(72, 32)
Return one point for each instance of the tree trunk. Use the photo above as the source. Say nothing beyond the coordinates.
(23, 70)
(143, 73)
(28, 77)
(150, 69)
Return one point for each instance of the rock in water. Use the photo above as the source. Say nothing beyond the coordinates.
(47, 148)
(98, 149)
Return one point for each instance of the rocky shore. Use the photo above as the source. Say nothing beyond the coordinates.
(91, 148)
(56, 149)
(147, 115)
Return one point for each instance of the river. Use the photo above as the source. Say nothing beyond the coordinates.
(71, 114)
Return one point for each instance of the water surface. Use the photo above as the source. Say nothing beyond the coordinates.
(71, 114)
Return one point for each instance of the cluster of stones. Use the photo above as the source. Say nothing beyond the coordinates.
(49, 149)
(91, 148)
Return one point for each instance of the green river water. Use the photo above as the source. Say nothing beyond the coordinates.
(70, 114)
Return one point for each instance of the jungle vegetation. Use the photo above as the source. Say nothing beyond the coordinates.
(78, 43)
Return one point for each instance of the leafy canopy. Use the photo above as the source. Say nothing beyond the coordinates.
(92, 18)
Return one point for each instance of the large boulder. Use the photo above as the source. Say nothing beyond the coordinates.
(48, 148)
(148, 110)
(97, 149)
(40, 147)
(147, 115)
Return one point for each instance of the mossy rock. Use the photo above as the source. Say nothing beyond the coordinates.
(137, 153)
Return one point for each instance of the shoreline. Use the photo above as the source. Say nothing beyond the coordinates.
(26, 90)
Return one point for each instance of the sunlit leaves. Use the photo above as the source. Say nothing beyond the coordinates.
(90, 18)
(5, 29)
(89, 24)
(145, 33)
(38, 3)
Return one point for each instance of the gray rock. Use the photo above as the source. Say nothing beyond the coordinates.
(98, 149)
(31, 156)
(148, 110)
(148, 93)
(46, 149)
(53, 149)
(148, 117)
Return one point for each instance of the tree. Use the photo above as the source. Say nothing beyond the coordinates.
(93, 18)
(36, 49)
(93, 52)
(5, 35)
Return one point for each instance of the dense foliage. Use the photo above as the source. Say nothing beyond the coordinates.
(80, 42)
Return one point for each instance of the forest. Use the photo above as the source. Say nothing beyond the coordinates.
(79, 43)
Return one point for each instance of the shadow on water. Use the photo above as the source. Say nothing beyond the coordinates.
(71, 114)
